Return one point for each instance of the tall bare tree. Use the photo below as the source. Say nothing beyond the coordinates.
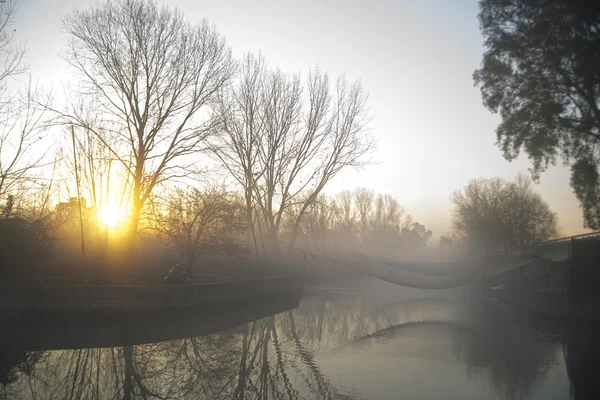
(283, 139)
(20, 118)
(20, 115)
(151, 77)
(237, 145)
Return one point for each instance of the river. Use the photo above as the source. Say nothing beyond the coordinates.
(360, 339)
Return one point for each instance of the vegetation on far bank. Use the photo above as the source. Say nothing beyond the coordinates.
(168, 149)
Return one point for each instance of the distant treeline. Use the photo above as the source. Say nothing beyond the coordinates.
(158, 109)
(154, 103)
(199, 227)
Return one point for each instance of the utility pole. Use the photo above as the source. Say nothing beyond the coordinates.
(78, 199)
(106, 202)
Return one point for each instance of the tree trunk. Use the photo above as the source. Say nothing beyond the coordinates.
(273, 244)
(251, 223)
(128, 379)
(191, 258)
(522, 247)
(295, 232)
(243, 369)
(296, 229)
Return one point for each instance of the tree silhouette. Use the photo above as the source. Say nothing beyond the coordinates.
(283, 138)
(11, 55)
(491, 213)
(363, 199)
(197, 222)
(150, 76)
(21, 116)
(541, 73)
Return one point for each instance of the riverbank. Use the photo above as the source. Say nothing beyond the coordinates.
(51, 331)
(540, 289)
(141, 298)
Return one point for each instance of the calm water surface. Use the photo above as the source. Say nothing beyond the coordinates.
(362, 339)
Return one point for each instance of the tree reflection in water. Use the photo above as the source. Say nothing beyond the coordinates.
(508, 351)
(582, 357)
(280, 357)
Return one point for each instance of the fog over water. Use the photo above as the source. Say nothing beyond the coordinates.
(359, 339)
(364, 199)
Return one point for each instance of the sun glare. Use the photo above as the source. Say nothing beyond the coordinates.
(110, 216)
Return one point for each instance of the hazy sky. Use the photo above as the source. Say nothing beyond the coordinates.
(414, 57)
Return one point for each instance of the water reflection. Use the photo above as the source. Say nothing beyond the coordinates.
(507, 350)
(582, 356)
(369, 341)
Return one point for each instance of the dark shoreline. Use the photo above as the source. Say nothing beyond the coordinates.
(54, 331)
(140, 299)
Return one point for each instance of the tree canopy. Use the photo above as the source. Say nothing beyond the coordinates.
(541, 74)
(494, 213)
(149, 77)
(197, 222)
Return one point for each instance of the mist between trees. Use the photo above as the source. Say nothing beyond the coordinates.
(158, 107)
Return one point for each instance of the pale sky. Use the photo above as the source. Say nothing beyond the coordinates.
(415, 58)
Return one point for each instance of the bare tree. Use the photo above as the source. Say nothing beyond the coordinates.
(284, 139)
(34, 197)
(151, 76)
(20, 115)
(318, 219)
(197, 223)
(237, 145)
(346, 213)
(346, 140)
(22, 128)
(528, 218)
(105, 185)
(11, 56)
(388, 216)
(96, 167)
(389, 229)
(494, 213)
(363, 199)
(478, 211)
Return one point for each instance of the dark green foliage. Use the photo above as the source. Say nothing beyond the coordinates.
(541, 73)
(416, 235)
(586, 184)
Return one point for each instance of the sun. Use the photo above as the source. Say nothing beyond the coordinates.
(110, 216)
